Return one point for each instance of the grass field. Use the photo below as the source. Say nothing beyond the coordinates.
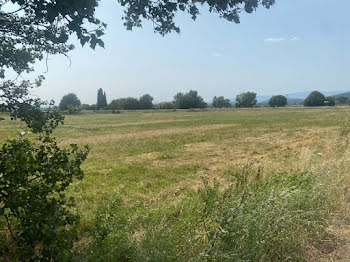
(142, 195)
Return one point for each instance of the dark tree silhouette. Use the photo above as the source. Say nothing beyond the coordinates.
(278, 101)
(247, 99)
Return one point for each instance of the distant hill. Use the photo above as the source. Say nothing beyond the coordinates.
(347, 94)
(295, 101)
(290, 101)
(303, 95)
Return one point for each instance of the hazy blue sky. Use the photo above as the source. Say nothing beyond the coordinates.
(297, 45)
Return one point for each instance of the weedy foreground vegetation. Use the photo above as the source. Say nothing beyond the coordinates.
(221, 185)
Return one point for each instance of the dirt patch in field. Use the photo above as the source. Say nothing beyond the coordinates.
(92, 140)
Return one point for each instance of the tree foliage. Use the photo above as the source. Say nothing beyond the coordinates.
(34, 212)
(117, 104)
(101, 99)
(68, 101)
(221, 102)
(15, 99)
(162, 13)
(189, 100)
(315, 99)
(131, 103)
(247, 99)
(86, 107)
(342, 100)
(145, 102)
(278, 101)
(330, 101)
(34, 177)
(36, 28)
(128, 103)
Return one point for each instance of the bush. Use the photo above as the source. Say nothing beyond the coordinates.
(72, 109)
(111, 238)
(34, 210)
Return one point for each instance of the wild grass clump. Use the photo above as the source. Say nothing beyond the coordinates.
(109, 234)
(275, 218)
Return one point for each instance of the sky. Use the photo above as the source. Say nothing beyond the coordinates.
(296, 46)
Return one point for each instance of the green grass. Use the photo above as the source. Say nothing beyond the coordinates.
(139, 199)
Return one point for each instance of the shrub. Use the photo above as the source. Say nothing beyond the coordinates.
(72, 109)
(33, 208)
(110, 234)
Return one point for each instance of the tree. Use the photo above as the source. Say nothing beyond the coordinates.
(117, 104)
(145, 102)
(278, 101)
(39, 27)
(32, 32)
(315, 99)
(342, 100)
(69, 100)
(101, 99)
(131, 103)
(128, 103)
(221, 102)
(189, 100)
(330, 101)
(247, 99)
(86, 107)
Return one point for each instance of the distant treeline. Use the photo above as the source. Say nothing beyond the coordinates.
(71, 103)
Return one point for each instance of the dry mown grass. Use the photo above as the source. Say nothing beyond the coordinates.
(159, 166)
(98, 139)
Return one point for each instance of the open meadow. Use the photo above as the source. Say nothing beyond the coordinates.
(160, 185)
